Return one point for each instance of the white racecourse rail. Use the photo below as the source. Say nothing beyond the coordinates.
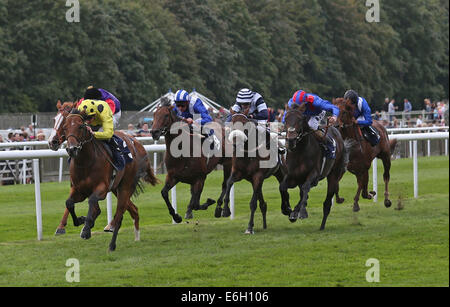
(47, 153)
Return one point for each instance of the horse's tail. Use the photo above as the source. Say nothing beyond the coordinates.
(150, 176)
(392, 145)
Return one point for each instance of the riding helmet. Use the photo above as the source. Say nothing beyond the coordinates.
(92, 93)
(181, 96)
(352, 95)
(245, 96)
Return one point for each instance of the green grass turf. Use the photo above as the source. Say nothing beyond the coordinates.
(412, 245)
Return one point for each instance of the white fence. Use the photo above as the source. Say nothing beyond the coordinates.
(46, 153)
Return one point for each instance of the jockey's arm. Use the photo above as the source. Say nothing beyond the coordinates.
(367, 114)
(199, 108)
(261, 112)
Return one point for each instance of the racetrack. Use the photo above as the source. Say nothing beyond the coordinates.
(412, 244)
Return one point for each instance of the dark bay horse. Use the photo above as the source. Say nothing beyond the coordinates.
(57, 137)
(91, 174)
(304, 162)
(362, 153)
(190, 168)
(247, 165)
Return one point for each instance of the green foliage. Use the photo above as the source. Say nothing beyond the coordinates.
(141, 49)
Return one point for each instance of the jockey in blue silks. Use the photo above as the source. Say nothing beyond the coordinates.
(316, 109)
(187, 106)
(363, 116)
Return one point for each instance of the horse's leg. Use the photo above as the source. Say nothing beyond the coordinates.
(133, 210)
(356, 207)
(285, 207)
(61, 229)
(122, 201)
(226, 212)
(170, 183)
(300, 210)
(196, 192)
(257, 186)
(333, 186)
(226, 175)
(386, 176)
(365, 182)
(263, 207)
(70, 206)
(91, 216)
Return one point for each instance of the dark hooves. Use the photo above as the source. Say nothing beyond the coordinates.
(293, 217)
(356, 208)
(85, 233)
(188, 216)
(340, 200)
(60, 231)
(226, 212)
(373, 193)
(209, 202)
(112, 247)
(177, 218)
(218, 212)
(387, 203)
(286, 211)
(81, 220)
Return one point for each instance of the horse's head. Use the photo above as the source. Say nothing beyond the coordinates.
(296, 125)
(346, 111)
(163, 118)
(57, 136)
(75, 128)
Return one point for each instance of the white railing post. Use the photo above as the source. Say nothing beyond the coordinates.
(37, 194)
(174, 200)
(232, 202)
(415, 170)
(375, 178)
(109, 207)
(61, 165)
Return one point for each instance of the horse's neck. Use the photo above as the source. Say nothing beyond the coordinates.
(87, 155)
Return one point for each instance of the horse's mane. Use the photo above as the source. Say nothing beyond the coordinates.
(82, 113)
(165, 102)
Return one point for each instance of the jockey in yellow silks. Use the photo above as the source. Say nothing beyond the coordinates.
(100, 116)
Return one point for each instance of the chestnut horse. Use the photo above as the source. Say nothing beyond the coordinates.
(55, 140)
(190, 168)
(246, 165)
(363, 153)
(91, 174)
(304, 162)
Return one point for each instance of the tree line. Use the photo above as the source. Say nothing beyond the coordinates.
(140, 49)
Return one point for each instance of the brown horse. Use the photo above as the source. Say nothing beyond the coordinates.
(363, 153)
(247, 165)
(91, 174)
(55, 140)
(189, 168)
(305, 160)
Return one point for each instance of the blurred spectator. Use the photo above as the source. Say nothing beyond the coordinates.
(1, 139)
(144, 131)
(377, 116)
(11, 137)
(428, 108)
(391, 110)
(419, 121)
(30, 131)
(131, 130)
(407, 108)
(40, 136)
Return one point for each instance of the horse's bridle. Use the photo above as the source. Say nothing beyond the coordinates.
(84, 127)
(300, 135)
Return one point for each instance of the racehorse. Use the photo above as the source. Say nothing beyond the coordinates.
(362, 155)
(56, 138)
(247, 165)
(304, 162)
(92, 176)
(191, 169)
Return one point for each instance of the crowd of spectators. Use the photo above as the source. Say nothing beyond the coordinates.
(23, 135)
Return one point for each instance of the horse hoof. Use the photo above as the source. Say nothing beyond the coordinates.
(189, 216)
(303, 214)
(112, 247)
(209, 202)
(226, 212)
(249, 232)
(85, 233)
(340, 200)
(218, 212)
(108, 228)
(293, 217)
(60, 231)
(373, 193)
(356, 208)
(286, 211)
(177, 218)
(387, 203)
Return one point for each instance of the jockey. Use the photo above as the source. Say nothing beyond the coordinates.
(101, 94)
(187, 106)
(363, 116)
(100, 117)
(258, 109)
(316, 109)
